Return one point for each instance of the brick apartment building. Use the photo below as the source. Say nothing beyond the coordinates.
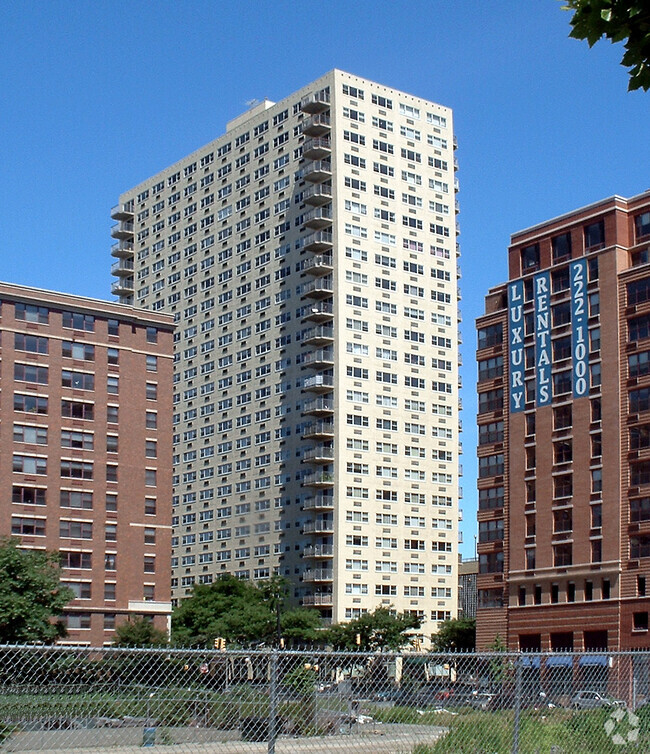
(564, 435)
(85, 450)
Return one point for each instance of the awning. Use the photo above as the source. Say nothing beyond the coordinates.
(531, 662)
(559, 662)
(586, 660)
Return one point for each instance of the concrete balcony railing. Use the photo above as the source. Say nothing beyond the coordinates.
(123, 230)
(319, 407)
(320, 312)
(122, 267)
(318, 289)
(316, 125)
(318, 600)
(123, 249)
(319, 479)
(317, 148)
(319, 429)
(320, 264)
(320, 335)
(317, 195)
(318, 574)
(316, 102)
(317, 171)
(319, 503)
(318, 551)
(318, 527)
(319, 383)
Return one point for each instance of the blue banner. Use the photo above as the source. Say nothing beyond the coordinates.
(579, 330)
(516, 345)
(542, 295)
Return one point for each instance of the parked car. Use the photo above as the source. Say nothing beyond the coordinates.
(594, 700)
(482, 700)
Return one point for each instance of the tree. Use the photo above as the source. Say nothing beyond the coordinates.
(380, 629)
(456, 635)
(617, 20)
(139, 632)
(302, 626)
(31, 595)
(230, 608)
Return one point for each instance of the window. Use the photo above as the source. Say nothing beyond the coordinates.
(32, 404)
(152, 335)
(491, 335)
(78, 380)
(32, 313)
(31, 373)
(81, 351)
(78, 321)
(151, 391)
(30, 343)
(594, 235)
(28, 526)
(563, 485)
(29, 464)
(81, 589)
(28, 495)
(29, 434)
(491, 498)
(530, 258)
(490, 400)
(76, 469)
(74, 499)
(562, 520)
(76, 529)
(490, 368)
(152, 363)
(561, 246)
(70, 439)
(562, 555)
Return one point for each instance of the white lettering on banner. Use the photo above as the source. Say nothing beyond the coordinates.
(542, 339)
(516, 344)
(580, 353)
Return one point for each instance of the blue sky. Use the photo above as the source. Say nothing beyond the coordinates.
(97, 96)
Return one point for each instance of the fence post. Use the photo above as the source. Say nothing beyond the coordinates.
(515, 732)
(273, 702)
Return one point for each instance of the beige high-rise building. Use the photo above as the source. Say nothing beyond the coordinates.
(309, 256)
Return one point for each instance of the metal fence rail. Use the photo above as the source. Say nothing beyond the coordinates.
(317, 701)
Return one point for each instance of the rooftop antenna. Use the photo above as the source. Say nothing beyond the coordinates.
(251, 102)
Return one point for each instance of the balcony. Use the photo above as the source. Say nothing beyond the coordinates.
(318, 429)
(320, 217)
(318, 600)
(316, 102)
(318, 289)
(122, 249)
(319, 502)
(318, 551)
(317, 171)
(318, 574)
(320, 240)
(316, 125)
(318, 336)
(317, 195)
(319, 359)
(123, 230)
(319, 407)
(317, 148)
(319, 479)
(122, 267)
(319, 383)
(122, 287)
(322, 312)
(318, 265)
(122, 211)
(318, 527)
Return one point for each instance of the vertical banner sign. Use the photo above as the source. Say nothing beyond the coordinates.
(542, 286)
(579, 334)
(516, 344)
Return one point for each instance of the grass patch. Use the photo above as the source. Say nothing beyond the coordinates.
(552, 730)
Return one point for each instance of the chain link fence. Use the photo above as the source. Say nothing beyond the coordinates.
(319, 702)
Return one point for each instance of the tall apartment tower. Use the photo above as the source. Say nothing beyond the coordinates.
(85, 450)
(309, 258)
(564, 435)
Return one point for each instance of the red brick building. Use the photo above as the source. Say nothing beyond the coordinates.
(564, 435)
(85, 450)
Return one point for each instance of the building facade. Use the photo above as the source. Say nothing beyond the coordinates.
(85, 459)
(564, 435)
(309, 258)
(467, 594)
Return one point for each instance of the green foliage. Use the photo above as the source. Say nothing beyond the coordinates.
(301, 626)
(30, 595)
(456, 635)
(139, 632)
(240, 612)
(380, 629)
(617, 20)
(301, 680)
